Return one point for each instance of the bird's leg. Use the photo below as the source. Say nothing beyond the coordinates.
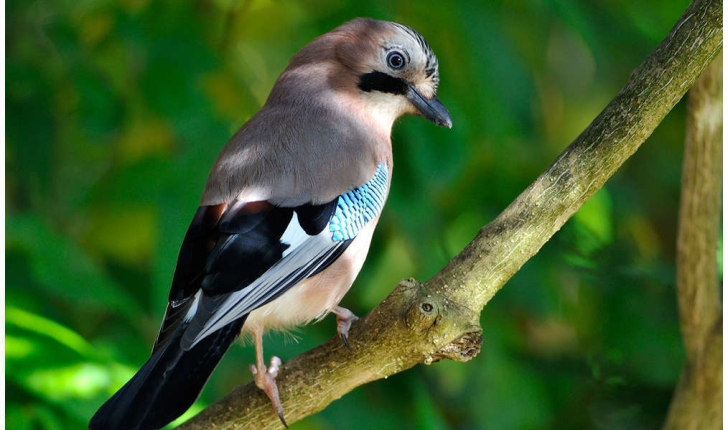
(265, 377)
(344, 318)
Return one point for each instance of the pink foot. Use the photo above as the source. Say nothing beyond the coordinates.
(265, 379)
(344, 318)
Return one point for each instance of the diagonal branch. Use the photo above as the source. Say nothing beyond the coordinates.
(425, 322)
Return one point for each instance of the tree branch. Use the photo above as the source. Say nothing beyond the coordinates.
(697, 402)
(426, 322)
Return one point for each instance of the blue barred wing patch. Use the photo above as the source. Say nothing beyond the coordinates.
(359, 206)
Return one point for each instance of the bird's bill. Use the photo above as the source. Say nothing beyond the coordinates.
(432, 109)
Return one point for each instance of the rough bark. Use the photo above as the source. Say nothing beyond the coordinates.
(438, 319)
(698, 399)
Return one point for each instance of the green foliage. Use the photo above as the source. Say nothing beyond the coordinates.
(116, 111)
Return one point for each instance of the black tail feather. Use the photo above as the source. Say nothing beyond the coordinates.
(167, 385)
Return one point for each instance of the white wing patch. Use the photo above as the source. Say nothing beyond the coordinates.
(193, 308)
(294, 236)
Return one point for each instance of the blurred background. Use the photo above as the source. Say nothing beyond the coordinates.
(117, 109)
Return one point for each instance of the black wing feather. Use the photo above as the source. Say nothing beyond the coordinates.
(221, 253)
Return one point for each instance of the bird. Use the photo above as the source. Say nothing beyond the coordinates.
(286, 216)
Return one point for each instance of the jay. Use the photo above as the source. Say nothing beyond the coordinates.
(287, 214)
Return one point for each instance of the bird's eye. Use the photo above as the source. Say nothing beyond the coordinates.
(395, 60)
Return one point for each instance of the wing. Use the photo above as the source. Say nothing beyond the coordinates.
(201, 237)
(252, 253)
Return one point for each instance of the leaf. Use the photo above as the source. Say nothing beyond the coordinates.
(58, 366)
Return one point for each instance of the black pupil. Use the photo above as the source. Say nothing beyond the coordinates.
(395, 60)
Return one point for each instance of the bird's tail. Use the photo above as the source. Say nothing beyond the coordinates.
(167, 385)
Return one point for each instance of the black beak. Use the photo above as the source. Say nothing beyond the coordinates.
(432, 109)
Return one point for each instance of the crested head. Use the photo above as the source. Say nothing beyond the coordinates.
(333, 106)
(387, 66)
(389, 48)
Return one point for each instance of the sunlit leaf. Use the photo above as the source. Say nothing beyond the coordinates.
(79, 381)
(52, 330)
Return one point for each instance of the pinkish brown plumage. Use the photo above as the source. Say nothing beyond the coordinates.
(287, 215)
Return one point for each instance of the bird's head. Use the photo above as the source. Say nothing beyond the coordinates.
(387, 68)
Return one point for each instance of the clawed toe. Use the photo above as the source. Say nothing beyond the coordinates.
(344, 318)
(265, 379)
